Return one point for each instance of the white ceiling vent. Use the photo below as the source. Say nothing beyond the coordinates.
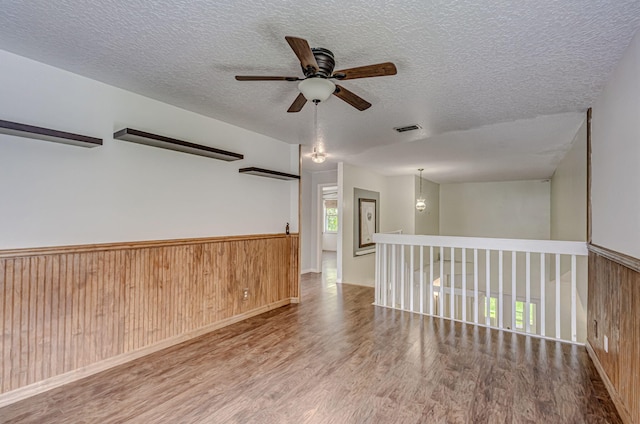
(408, 128)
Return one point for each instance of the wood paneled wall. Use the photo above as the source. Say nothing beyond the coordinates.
(614, 311)
(65, 309)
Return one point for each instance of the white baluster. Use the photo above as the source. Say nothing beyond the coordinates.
(500, 291)
(422, 279)
(514, 289)
(543, 304)
(475, 285)
(528, 294)
(402, 277)
(377, 299)
(411, 308)
(487, 306)
(385, 275)
(464, 284)
(452, 295)
(393, 276)
(558, 332)
(574, 334)
(430, 280)
(441, 296)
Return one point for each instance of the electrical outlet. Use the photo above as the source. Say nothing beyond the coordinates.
(245, 294)
(606, 344)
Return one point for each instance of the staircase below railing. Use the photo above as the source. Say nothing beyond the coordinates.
(537, 287)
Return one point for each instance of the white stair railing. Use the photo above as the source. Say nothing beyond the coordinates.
(537, 287)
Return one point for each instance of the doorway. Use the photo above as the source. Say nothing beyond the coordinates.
(327, 228)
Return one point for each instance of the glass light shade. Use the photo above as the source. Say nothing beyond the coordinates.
(420, 204)
(319, 89)
(318, 157)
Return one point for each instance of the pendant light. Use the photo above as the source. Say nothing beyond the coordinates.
(318, 155)
(420, 201)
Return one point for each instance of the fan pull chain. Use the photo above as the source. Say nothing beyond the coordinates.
(315, 123)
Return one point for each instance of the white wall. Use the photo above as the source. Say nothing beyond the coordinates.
(569, 192)
(330, 241)
(360, 269)
(569, 222)
(615, 158)
(398, 208)
(428, 221)
(56, 194)
(513, 209)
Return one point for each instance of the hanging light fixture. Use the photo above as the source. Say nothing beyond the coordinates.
(318, 155)
(420, 201)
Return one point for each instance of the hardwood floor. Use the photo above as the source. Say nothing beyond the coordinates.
(335, 358)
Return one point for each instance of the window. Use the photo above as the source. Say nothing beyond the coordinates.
(520, 318)
(330, 216)
(493, 310)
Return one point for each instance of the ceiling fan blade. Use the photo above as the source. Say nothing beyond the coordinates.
(377, 70)
(259, 78)
(297, 104)
(301, 48)
(353, 99)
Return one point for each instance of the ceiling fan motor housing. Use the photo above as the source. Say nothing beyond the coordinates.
(325, 61)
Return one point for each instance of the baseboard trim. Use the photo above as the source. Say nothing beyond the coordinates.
(372, 285)
(60, 380)
(310, 270)
(617, 401)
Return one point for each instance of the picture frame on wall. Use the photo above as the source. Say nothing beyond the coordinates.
(367, 222)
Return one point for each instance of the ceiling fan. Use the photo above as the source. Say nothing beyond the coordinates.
(317, 67)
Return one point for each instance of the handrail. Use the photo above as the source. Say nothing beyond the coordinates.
(519, 245)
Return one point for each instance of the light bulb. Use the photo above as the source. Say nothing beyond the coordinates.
(318, 157)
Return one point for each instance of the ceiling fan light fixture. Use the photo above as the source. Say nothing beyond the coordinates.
(316, 89)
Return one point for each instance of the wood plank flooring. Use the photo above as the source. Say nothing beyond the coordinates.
(335, 358)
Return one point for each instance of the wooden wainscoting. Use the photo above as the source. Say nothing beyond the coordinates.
(614, 311)
(72, 311)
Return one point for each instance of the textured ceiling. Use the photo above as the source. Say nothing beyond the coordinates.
(527, 149)
(462, 65)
